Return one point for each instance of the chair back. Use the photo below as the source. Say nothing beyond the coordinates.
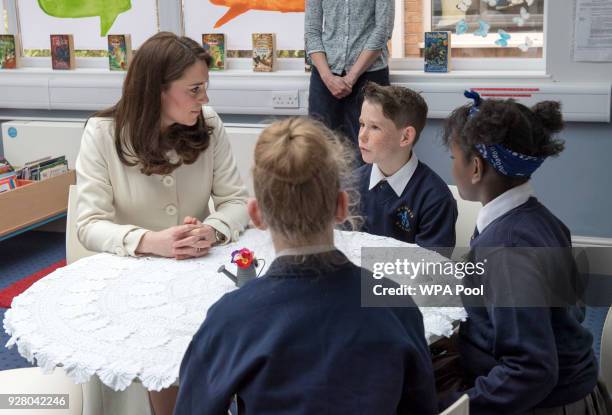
(74, 249)
(32, 380)
(605, 357)
(460, 407)
(466, 220)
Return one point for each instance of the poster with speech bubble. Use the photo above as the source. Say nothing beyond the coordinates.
(88, 20)
(238, 19)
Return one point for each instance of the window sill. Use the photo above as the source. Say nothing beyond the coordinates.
(242, 91)
(400, 75)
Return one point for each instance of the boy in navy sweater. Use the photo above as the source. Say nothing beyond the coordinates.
(401, 197)
(520, 353)
(297, 340)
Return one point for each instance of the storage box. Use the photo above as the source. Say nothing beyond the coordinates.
(34, 202)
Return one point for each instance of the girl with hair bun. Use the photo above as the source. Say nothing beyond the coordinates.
(521, 353)
(297, 340)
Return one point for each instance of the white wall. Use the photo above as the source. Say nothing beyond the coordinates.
(559, 34)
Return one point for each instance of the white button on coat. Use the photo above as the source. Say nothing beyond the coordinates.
(171, 210)
(168, 181)
(119, 215)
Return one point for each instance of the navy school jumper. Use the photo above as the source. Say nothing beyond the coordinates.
(522, 358)
(424, 214)
(297, 341)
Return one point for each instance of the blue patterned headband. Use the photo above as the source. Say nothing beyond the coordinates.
(507, 162)
(476, 104)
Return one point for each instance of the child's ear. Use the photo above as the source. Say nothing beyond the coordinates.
(477, 169)
(342, 207)
(408, 136)
(255, 214)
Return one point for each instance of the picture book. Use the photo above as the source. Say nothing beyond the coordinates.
(264, 51)
(8, 177)
(44, 168)
(437, 51)
(8, 182)
(9, 52)
(214, 43)
(119, 52)
(62, 52)
(5, 166)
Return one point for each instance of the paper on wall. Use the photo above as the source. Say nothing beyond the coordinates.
(593, 31)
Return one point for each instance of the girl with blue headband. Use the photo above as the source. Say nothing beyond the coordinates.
(518, 356)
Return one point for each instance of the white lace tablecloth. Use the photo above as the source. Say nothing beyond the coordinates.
(124, 318)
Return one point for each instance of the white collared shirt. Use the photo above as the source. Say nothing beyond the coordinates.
(306, 250)
(399, 180)
(503, 204)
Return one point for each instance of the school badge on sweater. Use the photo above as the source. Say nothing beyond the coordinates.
(403, 216)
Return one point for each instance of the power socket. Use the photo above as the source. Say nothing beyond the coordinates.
(285, 99)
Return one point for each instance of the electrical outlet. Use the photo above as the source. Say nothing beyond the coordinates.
(285, 99)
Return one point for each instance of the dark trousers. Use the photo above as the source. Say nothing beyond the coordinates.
(342, 115)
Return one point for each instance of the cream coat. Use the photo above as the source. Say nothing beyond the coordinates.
(117, 204)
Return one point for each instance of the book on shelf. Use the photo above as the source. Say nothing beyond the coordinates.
(214, 44)
(8, 182)
(62, 52)
(8, 177)
(5, 166)
(437, 52)
(264, 52)
(44, 168)
(9, 51)
(119, 52)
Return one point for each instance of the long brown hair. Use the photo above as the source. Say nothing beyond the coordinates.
(161, 59)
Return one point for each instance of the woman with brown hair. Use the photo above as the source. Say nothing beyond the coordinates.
(148, 166)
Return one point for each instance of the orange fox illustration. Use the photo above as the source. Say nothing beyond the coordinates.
(238, 7)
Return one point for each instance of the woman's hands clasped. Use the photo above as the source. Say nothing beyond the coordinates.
(190, 240)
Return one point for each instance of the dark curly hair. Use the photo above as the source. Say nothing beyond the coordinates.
(163, 58)
(525, 130)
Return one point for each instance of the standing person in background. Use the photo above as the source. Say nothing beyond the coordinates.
(347, 44)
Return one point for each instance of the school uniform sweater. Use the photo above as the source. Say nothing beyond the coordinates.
(522, 358)
(298, 341)
(414, 205)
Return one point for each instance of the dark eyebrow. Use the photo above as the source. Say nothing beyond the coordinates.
(198, 83)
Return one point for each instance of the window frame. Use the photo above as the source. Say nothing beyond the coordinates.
(533, 66)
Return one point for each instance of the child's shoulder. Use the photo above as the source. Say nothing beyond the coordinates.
(424, 172)
(530, 224)
(431, 185)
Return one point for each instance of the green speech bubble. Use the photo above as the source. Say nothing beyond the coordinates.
(108, 10)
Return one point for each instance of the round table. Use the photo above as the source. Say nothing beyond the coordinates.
(125, 319)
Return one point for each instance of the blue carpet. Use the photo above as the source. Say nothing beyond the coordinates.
(21, 256)
(9, 359)
(28, 253)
